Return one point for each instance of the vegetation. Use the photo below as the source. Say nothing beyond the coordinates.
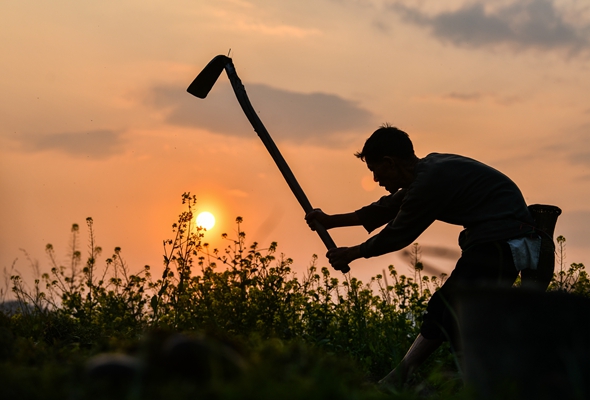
(235, 323)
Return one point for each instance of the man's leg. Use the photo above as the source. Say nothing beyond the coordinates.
(488, 264)
(420, 350)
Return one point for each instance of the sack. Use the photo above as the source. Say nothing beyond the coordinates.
(545, 217)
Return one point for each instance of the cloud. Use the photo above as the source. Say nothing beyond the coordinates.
(275, 30)
(571, 146)
(574, 225)
(464, 97)
(315, 118)
(237, 193)
(520, 25)
(260, 19)
(95, 144)
(469, 98)
(575, 146)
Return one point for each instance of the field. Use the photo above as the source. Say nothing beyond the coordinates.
(230, 324)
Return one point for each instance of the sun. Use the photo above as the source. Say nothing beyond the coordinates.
(205, 220)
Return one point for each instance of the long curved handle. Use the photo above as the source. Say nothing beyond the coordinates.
(270, 145)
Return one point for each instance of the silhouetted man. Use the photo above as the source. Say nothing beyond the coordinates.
(498, 241)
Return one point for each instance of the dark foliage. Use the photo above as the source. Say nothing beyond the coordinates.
(251, 327)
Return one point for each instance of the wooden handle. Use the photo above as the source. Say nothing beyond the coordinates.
(276, 155)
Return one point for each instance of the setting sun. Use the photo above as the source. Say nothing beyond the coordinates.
(206, 220)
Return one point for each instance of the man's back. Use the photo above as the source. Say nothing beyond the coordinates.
(453, 189)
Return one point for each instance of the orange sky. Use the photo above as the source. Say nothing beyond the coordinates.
(96, 121)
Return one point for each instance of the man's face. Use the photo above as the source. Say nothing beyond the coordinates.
(387, 174)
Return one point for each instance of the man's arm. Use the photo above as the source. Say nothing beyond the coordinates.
(342, 256)
(332, 221)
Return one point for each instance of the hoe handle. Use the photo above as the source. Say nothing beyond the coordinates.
(276, 155)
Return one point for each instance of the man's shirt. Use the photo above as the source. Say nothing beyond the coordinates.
(453, 189)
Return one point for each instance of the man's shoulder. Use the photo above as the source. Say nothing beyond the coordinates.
(445, 170)
(444, 161)
(448, 157)
(434, 162)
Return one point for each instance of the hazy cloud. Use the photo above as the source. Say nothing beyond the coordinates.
(521, 25)
(475, 97)
(466, 97)
(580, 156)
(470, 98)
(575, 226)
(572, 145)
(317, 118)
(237, 193)
(90, 144)
(578, 151)
(275, 30)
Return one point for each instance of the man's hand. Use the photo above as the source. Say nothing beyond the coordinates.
(342, 256)
(317, 216)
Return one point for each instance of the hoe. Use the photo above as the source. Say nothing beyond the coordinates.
(201, 86)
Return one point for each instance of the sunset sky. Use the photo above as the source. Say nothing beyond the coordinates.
(96, 122)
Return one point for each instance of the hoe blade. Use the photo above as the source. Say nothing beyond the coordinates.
(203, 83)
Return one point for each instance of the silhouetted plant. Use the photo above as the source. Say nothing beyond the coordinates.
(574, 279)
(244, 293)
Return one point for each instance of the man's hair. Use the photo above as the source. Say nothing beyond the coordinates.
(387, 141)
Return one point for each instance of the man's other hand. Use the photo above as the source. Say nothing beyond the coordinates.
(342, 256)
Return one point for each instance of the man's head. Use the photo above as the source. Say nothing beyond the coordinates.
(389, 154)
(387, 141)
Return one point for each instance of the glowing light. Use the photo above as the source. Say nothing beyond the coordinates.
(368, 183)
(205, 220)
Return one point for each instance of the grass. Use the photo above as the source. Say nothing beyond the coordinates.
(220, 324)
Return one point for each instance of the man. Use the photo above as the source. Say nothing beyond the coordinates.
(449, 188)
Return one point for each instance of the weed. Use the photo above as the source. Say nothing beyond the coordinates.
(312, 335)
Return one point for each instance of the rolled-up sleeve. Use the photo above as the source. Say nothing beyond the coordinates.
(381, 212)
(415, 209)
(399, 233)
